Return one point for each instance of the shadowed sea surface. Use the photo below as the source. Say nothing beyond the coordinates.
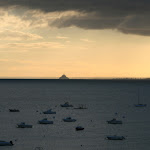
(103, 98)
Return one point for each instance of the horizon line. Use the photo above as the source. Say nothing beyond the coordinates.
(84, 78)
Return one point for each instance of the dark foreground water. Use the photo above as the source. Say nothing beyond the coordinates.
(103, 99)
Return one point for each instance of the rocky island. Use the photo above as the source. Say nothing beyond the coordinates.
(63, 77)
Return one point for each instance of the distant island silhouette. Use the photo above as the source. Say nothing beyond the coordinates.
(63, 77)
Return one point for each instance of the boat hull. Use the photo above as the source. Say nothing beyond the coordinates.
(79, 129)
(14, 110)
(49, 112)
(80, 108)
(48, 122)
(117, 122)
(115, 137)
(66, 105)
(66, 120)
(6, 143)
(24, 126)
(140, 105)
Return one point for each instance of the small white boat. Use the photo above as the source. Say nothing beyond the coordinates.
(78, 128)
(115, 137)
(45, 121)
(69, 119)
(114, 121)
(49, 112)
(23, 125)
(4, 143)
(66, 105)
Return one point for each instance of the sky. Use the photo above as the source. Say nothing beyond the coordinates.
(88, 38)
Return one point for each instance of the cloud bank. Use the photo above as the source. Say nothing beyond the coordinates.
(127, 16)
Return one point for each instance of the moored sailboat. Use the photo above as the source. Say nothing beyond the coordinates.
(139, 104)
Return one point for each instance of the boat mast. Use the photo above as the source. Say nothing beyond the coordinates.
(138, 97)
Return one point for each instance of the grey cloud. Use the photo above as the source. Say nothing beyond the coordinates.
(105, 7)
(127, 16)
(87, 22)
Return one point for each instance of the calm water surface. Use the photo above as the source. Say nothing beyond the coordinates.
(103, 99)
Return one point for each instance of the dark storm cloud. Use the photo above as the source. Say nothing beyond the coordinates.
(127, 16)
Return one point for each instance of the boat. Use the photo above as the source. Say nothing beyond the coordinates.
(115, 137)
(49, 112)
(23, 125)
(78, 128)
(81, 107)
(114, 121)
(66, 105)
(14, 110)
(139, 104)
(45, 121)
(4, 143)
(69, 119)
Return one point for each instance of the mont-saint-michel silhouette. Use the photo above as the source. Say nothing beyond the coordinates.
(63, 77)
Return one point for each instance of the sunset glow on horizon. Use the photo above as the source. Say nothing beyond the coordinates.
(40, 42)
